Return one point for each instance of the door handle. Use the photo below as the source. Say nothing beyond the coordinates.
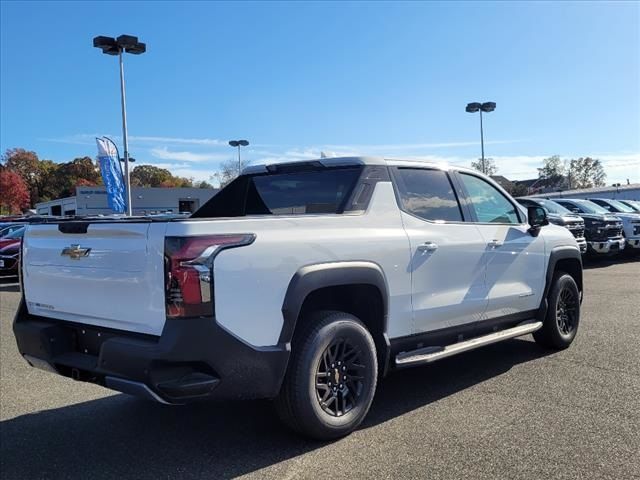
(428, 247)
(495, 243)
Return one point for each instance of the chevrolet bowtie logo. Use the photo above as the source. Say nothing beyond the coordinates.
(75, 251)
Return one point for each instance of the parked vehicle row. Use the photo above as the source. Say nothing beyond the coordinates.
(558, 215)
(608, 226)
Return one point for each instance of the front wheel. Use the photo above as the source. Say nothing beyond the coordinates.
(331, 379)
(563, 315)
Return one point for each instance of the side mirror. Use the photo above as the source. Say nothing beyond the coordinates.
(575, 210)
(537, 219)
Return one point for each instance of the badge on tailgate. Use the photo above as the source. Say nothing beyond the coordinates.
(75, 251)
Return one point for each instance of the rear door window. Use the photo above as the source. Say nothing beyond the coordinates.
(428, 194)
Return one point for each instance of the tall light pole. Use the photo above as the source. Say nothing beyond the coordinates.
(481, 107)
(116, 46)
(238, 143)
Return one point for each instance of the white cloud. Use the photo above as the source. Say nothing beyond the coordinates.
(404, 147)
(208, 153)
(164, 153)
(178, 140)
(89, 139)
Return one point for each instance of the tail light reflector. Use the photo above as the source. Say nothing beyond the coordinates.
(189, 271)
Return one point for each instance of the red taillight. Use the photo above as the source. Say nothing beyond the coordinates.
(189, 271)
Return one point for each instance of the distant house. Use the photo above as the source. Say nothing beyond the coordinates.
(503, 182)
(541, 185)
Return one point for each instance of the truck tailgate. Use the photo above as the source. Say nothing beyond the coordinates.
(112, 275)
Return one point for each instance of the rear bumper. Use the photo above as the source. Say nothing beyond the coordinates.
(612, 245)
(193, 359)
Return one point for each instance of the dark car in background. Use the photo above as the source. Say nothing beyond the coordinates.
(10, 258)
(603, 230)
(558, 215)
(13, 237)
(7, 228)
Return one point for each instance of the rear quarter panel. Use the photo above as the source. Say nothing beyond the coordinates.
(250, 282)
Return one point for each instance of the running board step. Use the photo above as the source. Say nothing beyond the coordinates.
(431, 354)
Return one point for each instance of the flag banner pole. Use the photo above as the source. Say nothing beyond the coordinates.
(111, 172)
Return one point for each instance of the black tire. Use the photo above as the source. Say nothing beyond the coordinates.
(329, 335)
(561, 323)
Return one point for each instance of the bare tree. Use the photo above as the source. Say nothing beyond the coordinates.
(229, 170)
(586, 172)
(553, 171)
(490, 167)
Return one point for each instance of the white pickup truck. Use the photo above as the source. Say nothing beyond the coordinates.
(301, 282)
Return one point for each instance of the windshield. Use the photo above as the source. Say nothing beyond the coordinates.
(553, 207)
(621, 206)
(590, 207)
(16, 234)
(633, 204)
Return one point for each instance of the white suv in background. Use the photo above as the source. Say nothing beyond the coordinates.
(630, 219)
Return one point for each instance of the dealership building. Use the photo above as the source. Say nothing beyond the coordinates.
(144, 201)
(617, 192)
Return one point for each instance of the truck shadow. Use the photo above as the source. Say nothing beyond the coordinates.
(123, 436)
(625, 257)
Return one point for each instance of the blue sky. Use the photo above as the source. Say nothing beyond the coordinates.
(299, 78)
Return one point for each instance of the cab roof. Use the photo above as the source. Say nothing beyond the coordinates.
(346, 161)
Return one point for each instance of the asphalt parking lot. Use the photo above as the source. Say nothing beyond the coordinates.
(510, 410)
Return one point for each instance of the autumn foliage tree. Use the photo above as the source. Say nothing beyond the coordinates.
(47, 180)
(14, 193)
(26, 164)
(152, 176)
(80, 171)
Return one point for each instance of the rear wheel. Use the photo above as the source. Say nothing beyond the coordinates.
(563, 315)
(331, 379)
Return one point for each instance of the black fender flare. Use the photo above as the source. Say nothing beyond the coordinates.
(557, 254)
(313, 277)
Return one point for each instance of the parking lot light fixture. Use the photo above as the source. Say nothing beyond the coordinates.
(118, 46)
(481, 107)
(237, 144)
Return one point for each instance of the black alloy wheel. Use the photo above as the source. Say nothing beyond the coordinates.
(566, 311)
(331, 378)
(562, 317)
(339, 377)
